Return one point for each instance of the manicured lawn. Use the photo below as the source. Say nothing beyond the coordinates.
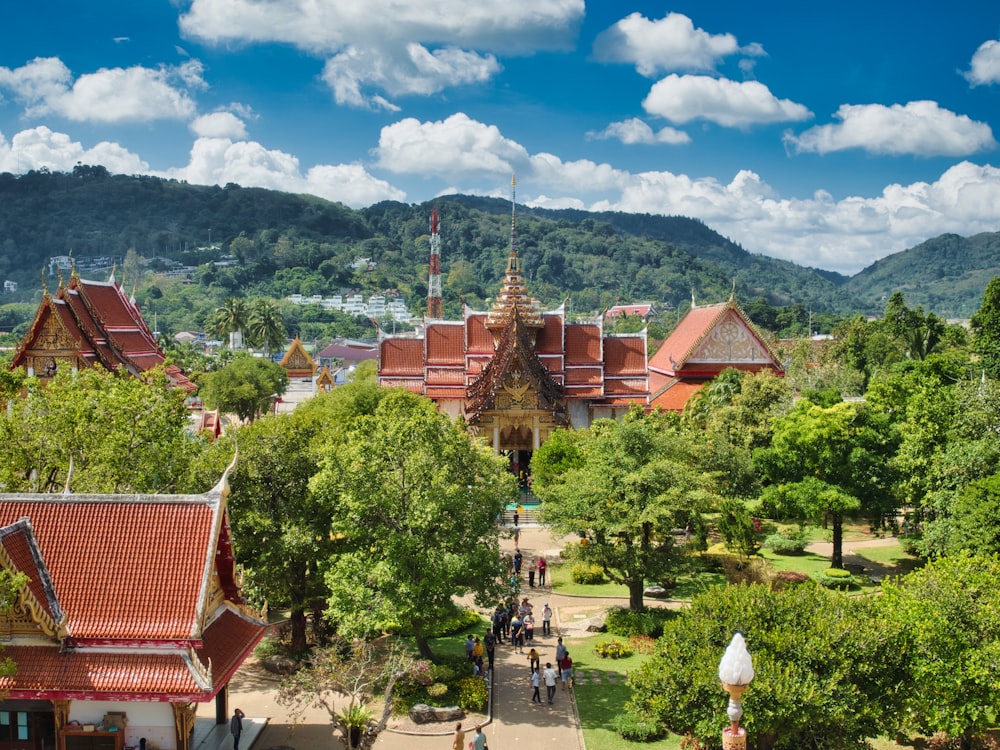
(561, 579)
(892, 556)
(601, 691)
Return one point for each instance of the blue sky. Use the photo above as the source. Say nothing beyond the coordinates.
(827, 134)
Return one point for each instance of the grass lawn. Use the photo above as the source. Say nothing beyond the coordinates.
(560, 578)
(601, 692)
(892, 556)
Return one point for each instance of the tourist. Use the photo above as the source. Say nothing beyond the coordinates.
(542, 567)
(470, 644)
(458, 739)
(534, 661)
(531, 574)
(517, 634)
(479, 739)
(490, 646)
(477, 650)
(518, 559)
(549, 676)
(529, 628)
(236, 727)
(560, 650)
(546, 619)
(536, 682)
(566, 670)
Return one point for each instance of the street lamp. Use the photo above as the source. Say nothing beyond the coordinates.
(735, 672)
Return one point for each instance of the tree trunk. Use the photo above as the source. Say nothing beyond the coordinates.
(635, 589)
(423, 646)
(298, 623)
(837, 521)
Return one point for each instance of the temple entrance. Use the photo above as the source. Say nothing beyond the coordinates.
(27, 725)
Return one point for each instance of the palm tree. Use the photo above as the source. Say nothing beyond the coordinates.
(230, 320)
(265, 326)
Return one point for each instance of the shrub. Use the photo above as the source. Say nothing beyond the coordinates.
(269, 647)
(636, 728)
(642, 644)
(613, 649)
(461, 620)
(443, 673)
(587, 574)
(787, 578)
(472, 693)
(786, 543)
(437, 690)
(624, 622)
(836, 578)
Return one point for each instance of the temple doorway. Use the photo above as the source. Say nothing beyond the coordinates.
(27, 725)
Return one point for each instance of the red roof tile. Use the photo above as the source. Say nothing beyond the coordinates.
(550, 338)
(445, 376)
(445, 344)
(583, 344)
(675, 394)
(578, 375)
(123, 569)
(401, 357)
(478, 339)
(625, 355)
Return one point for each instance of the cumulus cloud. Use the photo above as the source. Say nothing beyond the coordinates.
(45, 86)
(41, 148)
(411, 70)
(219, 125)
(985, 64)
(219, 161)
(920, 128)
(671, 43)
(636, 131)
(722, 101)
(457, 145)
(398, 48)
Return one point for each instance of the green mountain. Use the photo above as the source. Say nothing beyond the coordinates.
(251, 241)
(945, 275)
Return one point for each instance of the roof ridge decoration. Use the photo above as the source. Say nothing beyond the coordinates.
(515, 342)
(51, 620)
(513, 296)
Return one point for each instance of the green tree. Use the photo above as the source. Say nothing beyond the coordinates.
(626, 484)
(829, 672)
(976, 518)
(827, 464)
(985, 324)
(950, 610)
(116, 433)
(416, 501)
(230, 321)
(264, 326)
(246, 387)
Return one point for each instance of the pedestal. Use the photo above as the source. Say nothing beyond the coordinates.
(732, 741)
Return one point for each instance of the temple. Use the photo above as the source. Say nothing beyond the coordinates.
(708, 340)
(88, 324)
(125, 624)
(516, 372)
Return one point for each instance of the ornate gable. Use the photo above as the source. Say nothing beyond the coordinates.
(731, 341)
(36, 609)
(297, 362)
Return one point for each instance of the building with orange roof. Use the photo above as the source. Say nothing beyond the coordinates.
(124, 622)
(708, 340)
(91, 324)
(516, 372)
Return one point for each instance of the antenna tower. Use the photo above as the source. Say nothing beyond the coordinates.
(434, 310)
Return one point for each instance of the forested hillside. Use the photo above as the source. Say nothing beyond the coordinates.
(237, 241)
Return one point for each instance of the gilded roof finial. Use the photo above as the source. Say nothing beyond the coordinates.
(45, 286)
(513, 214)
(73, 275)
(114, 267)
(59, 276)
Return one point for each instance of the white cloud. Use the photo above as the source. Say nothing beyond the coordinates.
(455, 146)
(920, 128)
(219, 125)
(218, 161)
(985, 64)
(414, 70)
(722, 101)
(636, 131)
(41, 148)
(671, 43)
(110, 95)
(400, 48)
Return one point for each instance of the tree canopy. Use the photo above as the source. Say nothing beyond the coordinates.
(247, 387)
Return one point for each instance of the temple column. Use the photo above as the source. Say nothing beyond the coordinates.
(496, 440)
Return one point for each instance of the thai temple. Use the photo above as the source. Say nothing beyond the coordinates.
(88, 324)
(517, 372)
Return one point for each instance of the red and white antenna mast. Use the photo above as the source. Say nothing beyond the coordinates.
(434, 310)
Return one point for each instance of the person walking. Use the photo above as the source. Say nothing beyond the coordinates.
(517, 634)
(534, 660)
(529, 628)
(536, 682)
(546, 619)
(458, 739)
(560, 650)
(566, 671)
(236, 727)
(549, 676)
(490, 645)
(479, 739)
(542, 568)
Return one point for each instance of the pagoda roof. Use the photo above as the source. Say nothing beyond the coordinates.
(102, 325)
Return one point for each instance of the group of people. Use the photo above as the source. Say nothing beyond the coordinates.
(549, 675)
(537, 568)
(515, 622)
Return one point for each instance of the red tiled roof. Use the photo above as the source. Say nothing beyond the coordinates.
(625, 355)
(226, 642)
(445, 344)
(578, 375)
(478, 339)
(583, 344)
(21, 547)
(445, 376)
(550, 337)
(673, 395)
(401, 358)
(123, 568)
(618, 310)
